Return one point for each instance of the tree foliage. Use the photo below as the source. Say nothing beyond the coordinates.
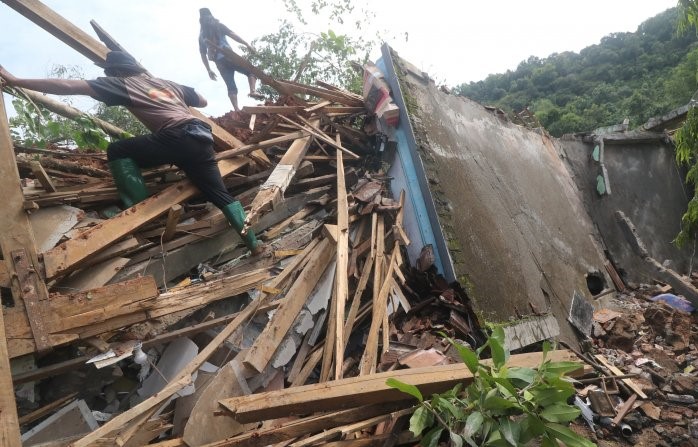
(502, 406)
(330, 55)
(627, 75)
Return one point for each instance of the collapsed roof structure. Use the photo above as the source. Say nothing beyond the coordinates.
(476, 219)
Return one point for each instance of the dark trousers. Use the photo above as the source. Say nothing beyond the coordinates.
(175, 146)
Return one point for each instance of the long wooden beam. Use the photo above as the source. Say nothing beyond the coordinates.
(272, 191)
(304, 426)
(262, 351)
(16, 234)
(69, 255)
(368, 390)
(342, 281)
(67, 316)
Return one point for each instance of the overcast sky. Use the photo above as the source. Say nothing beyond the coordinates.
(455, 41)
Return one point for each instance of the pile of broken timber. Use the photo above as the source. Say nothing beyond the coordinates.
(322, 295)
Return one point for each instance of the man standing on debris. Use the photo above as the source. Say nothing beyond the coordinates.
(178, 137)
(213, 36)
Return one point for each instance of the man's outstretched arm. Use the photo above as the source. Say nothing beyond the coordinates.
(52, 86)
(230, 33)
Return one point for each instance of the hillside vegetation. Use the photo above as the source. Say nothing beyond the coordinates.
(635, 75)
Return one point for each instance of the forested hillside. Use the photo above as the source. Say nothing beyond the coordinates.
(635, 75)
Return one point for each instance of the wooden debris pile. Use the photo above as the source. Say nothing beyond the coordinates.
(320, 305)
(332, 297)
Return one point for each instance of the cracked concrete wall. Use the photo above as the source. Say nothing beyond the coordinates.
(516, 229)
(647, 186)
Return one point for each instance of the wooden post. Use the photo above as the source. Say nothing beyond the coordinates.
(17, 234)
(271, 192)
(172, 220)
(341, 282)
(42, 177)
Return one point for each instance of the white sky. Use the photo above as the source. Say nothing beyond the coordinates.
(454, 41)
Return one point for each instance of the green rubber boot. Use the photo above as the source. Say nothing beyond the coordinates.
(236, 216)
(129, 181)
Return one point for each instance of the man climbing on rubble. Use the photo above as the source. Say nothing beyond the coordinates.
(212, 35)
(178, 137)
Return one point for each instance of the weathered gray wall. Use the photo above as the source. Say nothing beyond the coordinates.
(647, 186)
(516, 227)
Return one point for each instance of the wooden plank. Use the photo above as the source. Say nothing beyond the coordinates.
(628, 381)
(263, 349)
(243, 150)
(46, 409)
(615, 277)
(330, 335)
(33, 292)
(368, 390)
(182, 380)
(271, 192)
(55, 24)
(293, 87)
(272, 109)
(208, 292)
(344, 110)
(70, 254)
(173, 216)
(312, 129)
(368, 360)
(9, 423)
(4, 275)
(356, 300)
(300, 427)
(350, 428)
(308, 368)
(342, 281)
(318, 106)
(17, 233)
(68, 365)
(240, 61)
(68, 317)
(42, 176)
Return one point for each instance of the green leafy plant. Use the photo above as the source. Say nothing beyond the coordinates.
(686, 142)
(295, 53)
(502, 406)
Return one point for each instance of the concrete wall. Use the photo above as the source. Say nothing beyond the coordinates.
(647, 186)
(515, 226)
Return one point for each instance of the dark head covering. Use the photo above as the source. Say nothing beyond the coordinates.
(123, 62)
(203, 12)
